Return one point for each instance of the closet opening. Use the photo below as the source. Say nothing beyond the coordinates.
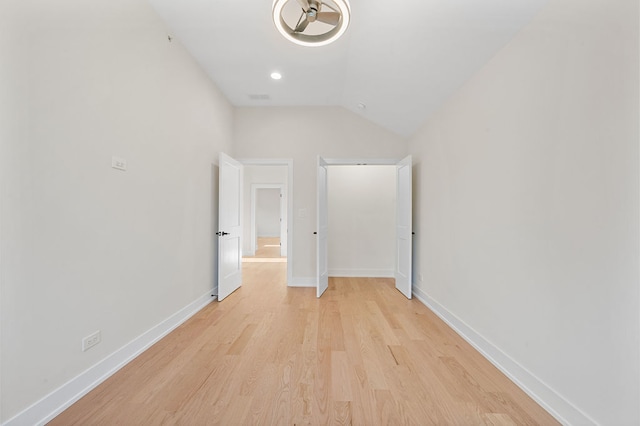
(361, 202)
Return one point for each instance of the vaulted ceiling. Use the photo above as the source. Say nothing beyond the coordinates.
(400, 59)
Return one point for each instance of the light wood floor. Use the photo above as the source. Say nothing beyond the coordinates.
(268, 247)
(362, 354)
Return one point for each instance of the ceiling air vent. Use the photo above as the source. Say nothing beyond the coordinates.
(259, 97)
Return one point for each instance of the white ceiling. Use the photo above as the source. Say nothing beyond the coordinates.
(402, 59)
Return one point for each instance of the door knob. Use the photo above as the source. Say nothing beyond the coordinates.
(222, 233)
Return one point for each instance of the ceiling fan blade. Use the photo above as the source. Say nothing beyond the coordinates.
(331, 18)
(302, 26)
(304, 4)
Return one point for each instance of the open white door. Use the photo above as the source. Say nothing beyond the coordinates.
(322, 216)
(229, 226)
(403, 226)
(283, 223)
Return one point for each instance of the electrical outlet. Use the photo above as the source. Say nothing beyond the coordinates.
(420, 277)
(119, 163)
(91, 340)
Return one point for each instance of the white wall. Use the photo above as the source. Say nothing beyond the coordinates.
(526, 208)
(362, 220)
(303, 133)
(260, 175)
(268, 212)
(86, 247)
(12, 108)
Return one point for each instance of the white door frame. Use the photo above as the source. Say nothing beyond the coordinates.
(289, 163)
(361, 161)
(283, 225)
(367, 162)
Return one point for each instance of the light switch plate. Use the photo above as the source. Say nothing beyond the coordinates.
(119, 163)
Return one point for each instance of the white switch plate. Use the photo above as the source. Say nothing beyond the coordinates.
(302, 213)
(119, 163)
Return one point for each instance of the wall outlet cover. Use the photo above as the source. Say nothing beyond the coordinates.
(91, 340)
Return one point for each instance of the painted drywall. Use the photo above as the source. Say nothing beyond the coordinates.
(526, 207)
(362, 212)
(260, 175)
(303, 133)
(86, 247)
(12, 106)
(268, 212)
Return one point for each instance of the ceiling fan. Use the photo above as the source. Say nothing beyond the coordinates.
(312, 12)
(332, 15)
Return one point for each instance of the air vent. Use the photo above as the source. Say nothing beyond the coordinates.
(259, 97)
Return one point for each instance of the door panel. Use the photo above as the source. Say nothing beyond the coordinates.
(403, 227)
(322, 216)
(229, 226)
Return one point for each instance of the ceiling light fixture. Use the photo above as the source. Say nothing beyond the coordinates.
(276, 75)
(329, 19)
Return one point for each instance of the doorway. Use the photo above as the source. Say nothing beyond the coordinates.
(268, 220)
(267, 212)
(362, 219)
(403, 221)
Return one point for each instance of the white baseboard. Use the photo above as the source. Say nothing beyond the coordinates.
(60, 399)
(311, 281)
(362, 273)
(560, 408)
(302, 282)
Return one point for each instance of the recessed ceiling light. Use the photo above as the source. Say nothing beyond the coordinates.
(319, 23)
(276, 75)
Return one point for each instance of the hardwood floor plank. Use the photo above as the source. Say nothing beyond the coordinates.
(236, 412)
(302, 412)
(337, 333)
(386, 409)
(380, 325)
(342, 413)
(242, 340)
(363, 404)
(493, 419)
(340, 383)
